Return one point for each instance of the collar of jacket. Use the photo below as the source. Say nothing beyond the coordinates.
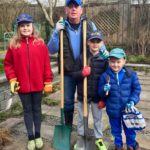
(30, 38)
(89, 53)
(113, 74)
(68, 24)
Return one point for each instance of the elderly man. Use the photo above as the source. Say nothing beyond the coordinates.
(72, 27)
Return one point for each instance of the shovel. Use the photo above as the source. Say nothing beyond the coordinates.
(10, 99)
(8, 103)
(62, 133)
(86, 142)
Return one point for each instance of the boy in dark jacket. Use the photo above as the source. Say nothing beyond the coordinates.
(96, 66)
(123, 89)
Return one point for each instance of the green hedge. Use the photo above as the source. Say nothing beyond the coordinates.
(138, 59)
(1, 66)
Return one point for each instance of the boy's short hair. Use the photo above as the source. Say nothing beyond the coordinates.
(95, 35)
(117, 53)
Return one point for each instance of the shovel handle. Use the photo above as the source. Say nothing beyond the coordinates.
(84, 64)
(61, 69)
(107, 93)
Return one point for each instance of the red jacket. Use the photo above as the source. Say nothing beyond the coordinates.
(30, 64)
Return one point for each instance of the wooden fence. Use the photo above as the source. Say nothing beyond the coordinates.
(122, 24)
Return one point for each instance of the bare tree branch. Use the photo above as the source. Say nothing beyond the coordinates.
(55, 3)
(48, 17)
(9, 11)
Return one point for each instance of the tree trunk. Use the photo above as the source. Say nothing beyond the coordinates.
(48, 17)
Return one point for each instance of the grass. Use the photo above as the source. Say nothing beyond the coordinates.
(56, 87)
(15, 111)
(2, 51)
(50, 102)
(53, 58)
(2, 62)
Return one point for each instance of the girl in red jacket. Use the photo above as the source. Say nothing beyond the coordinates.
(27, 67)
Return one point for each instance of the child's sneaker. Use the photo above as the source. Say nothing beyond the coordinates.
(31, 145)
(100, 144)
(75, 147)
(39, 143)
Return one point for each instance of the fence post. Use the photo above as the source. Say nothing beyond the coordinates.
(7, 36)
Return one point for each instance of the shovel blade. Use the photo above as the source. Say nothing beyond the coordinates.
(84, 143)
(9, 103)
(90, 143)
(61, 138)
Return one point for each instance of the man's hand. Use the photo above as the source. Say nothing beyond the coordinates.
(86, 71)
(60, 25)
(14, 86)
(48, 88)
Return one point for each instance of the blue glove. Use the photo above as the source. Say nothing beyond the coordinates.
(60, 25)
(107, 87)
(130, 105)
(104, 54)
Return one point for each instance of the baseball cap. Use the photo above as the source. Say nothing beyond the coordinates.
(117, 53)
(24, 18)
(78, 2)
(95, 35)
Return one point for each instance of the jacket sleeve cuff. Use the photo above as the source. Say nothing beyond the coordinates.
(13, 79)
(47, 83)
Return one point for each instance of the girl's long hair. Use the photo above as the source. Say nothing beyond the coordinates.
(15, 40)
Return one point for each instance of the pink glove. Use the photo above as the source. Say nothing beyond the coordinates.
(86, 71)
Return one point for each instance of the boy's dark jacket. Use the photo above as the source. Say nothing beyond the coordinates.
(120, 94)
(98, 66)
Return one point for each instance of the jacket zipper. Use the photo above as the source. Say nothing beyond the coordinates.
(28, 62)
